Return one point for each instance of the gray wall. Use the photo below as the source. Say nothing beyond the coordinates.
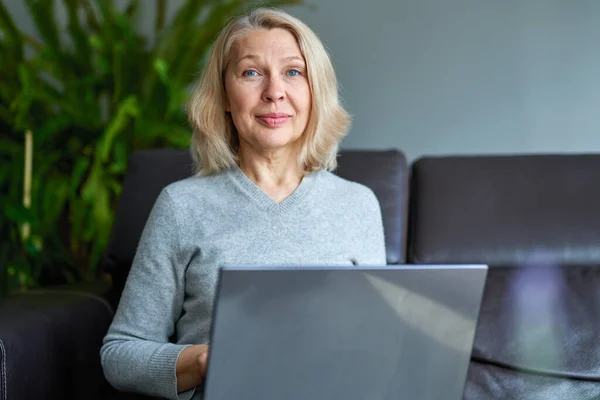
(461, 76)
(466, 76)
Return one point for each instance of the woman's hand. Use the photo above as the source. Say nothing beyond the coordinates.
(203, 360)
(191, 367)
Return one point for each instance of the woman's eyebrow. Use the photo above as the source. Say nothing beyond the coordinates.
(247, 56)
(293, 58)
(256, 57)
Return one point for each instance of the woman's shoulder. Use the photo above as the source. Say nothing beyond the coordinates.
(344, 188)
(196, 188)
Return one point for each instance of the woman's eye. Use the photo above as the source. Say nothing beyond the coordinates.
(293, 72)
(250, 73)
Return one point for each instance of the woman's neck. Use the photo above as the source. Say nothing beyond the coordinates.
(275, 173)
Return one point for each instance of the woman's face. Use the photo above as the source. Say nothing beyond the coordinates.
(267, 90)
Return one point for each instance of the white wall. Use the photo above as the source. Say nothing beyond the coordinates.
(460, 76)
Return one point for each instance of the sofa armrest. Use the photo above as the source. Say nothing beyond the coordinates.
(50, 345)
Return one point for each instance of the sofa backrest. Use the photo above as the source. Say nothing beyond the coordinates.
(385, 172)
(505, 210)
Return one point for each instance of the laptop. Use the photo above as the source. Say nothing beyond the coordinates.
(356, 333)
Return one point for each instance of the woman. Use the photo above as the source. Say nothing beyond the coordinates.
(267, 124)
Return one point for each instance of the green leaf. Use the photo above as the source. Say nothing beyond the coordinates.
(78, 35)
(132, 10)
(177, 98)
(22, 104)
(128, 108)
(10, 147)
(101, 63)
(79, 220)
(120, 155)
(153, 131)
(52, 127)
(116, 187)
(81, 167)
(11, 176)
(108, 12)
(159, 23)
(160, 66)
(90, 15)
(88, 191)
(16, 212)
(43, 165)
(55, 194)
(42, 12)
(203, 36)
(102, 221)
(118, 65)
(6, 115)
(13, 41)
(169, 43)
(182, 24)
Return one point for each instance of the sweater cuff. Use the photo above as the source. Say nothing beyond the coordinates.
(162, 371)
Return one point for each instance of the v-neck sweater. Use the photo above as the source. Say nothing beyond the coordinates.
(200, 224)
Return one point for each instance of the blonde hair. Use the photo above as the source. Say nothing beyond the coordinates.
(215, 142)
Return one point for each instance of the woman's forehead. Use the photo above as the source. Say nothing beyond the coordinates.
(276, 43)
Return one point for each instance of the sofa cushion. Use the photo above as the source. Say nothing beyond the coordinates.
(490, 382)
(505, 210)
(541, 319)
(385, 172)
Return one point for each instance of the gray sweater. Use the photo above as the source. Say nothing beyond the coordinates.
(201, 223)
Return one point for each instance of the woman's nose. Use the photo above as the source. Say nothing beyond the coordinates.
(274, 91)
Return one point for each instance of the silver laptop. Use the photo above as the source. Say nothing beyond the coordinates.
(395, 332)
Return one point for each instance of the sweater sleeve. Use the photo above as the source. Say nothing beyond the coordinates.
(136, 354)
(373, 249)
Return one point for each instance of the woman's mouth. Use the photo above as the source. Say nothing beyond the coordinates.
(273, 120)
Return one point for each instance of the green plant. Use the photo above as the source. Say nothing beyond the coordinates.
(91, 92)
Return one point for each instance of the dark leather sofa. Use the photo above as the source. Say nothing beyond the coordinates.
(535, 220)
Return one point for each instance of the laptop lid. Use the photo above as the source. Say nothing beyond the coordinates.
(395, 332)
